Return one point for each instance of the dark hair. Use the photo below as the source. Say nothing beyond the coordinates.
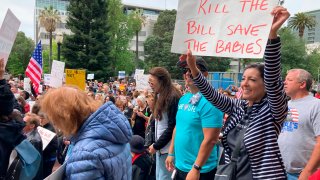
(259, 67)
(26, 94)
(112, 99)
(167, 91)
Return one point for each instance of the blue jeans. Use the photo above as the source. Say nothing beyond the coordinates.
(161, 171)
(293, 176)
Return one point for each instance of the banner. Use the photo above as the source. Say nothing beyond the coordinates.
(8, 33)
(225, 28)
(57, 71)
(76, 77)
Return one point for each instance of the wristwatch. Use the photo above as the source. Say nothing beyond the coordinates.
(197, 167)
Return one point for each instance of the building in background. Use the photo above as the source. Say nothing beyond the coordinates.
(312, 35)
(151, 15)
(39, 31)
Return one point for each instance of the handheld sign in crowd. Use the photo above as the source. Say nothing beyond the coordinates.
(90, 76)
(57, 73)
(26, 84)
(225, 28)
(46, 136)
(142, 82)
(76, 77)
(57, 174)
(8, 33)
(46, 78)
(121, 75)
(138, 72)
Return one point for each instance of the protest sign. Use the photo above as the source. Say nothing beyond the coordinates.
(46, 78)
(26, 84)
(58, 173)
(46, 136)
(121, 75)
(225, 28)
(90, 76)
(57, 71)
(8, 33)
(76, 77)
(142, 82)
(138, 72)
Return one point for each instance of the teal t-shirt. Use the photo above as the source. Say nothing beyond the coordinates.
(190, 121)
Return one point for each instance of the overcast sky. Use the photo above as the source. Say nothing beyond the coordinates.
(24, 9)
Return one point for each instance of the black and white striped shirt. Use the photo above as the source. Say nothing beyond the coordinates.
(266, 119)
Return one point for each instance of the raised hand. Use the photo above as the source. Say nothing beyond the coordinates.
(280, 14)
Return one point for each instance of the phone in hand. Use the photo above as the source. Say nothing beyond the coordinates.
(174, 173)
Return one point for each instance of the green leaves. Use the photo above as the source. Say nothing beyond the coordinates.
(89, 45)
(20, 54)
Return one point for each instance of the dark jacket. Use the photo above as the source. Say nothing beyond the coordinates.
(166, 136)
(50, 152)
(35, 139)
(10, 127)
(141, 167)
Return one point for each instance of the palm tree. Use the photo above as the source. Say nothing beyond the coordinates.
(49, 18)
(137, 21)
(300, 21)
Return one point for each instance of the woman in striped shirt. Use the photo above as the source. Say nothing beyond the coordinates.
(263, 94)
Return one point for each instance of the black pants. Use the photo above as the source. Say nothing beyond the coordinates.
(181, 175)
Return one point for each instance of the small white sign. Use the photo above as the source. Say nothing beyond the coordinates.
(142, 82)
(90, 76)
(46, 136)
(46, 78)
(138, 72)
(26, 84)
(57, 74)
(121, 75)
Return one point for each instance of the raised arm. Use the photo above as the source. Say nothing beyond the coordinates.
(219, 100)
(272, 74)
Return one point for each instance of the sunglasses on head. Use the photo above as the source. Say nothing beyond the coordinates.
(185, 70)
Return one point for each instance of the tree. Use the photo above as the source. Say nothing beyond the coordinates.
(158, 47)
(120, 36)
(89, 45)
(293, 52)
(20, 54)
(300, 21)
(49, 18)
(137, 20)
(45, 57)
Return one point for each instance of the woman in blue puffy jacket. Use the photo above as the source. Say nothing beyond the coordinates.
(100, 135)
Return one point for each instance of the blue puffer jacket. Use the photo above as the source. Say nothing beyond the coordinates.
(101, 147)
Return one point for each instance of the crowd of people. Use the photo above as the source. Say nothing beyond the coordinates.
(113, 131)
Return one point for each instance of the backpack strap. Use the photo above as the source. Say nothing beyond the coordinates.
(14, 170)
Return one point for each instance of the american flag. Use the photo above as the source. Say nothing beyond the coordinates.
(34, 69)
(293, 115)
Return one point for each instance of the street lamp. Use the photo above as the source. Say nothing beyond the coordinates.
(59, 39)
